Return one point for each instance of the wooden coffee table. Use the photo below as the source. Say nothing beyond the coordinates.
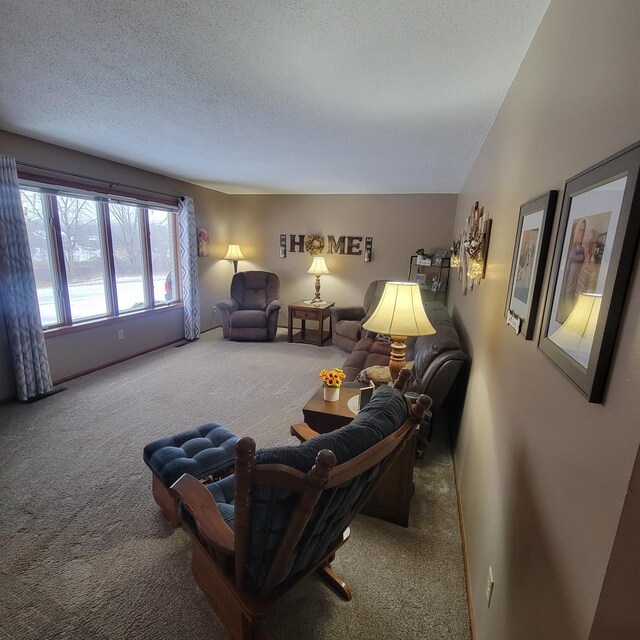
(391, 500)
(324, 416)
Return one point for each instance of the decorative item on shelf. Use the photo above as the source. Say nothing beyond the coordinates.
(475, 242)
(332, 380)
(423, 258)
(400, 314)
(314, 244)
(234, 253)
(318, 268)
(454, 261)
(440, 257)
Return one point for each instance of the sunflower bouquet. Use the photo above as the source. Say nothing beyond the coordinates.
(332, 377)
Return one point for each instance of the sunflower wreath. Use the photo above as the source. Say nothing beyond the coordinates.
(314, 244)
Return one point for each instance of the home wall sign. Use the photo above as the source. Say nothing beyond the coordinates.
(315, 244)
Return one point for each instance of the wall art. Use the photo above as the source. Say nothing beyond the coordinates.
(592, 264)
(527, 268)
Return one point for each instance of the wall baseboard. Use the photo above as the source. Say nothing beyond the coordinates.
(465, 558)
(111, 363)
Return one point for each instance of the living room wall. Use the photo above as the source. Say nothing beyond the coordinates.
(399, 224)
(543, 474)
(73, 353)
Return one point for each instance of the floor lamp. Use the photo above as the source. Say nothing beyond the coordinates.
(234, 253)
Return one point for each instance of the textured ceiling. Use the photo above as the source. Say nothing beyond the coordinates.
(294, 96)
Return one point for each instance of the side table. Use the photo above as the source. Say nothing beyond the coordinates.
(304, 311)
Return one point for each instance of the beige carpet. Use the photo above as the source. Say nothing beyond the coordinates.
(86, 554)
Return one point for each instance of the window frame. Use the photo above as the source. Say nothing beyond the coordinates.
(49, 192)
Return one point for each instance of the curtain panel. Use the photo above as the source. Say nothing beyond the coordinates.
(189, 268)
(18, 290)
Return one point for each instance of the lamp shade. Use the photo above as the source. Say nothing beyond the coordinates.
(318, 267)
(234, 253)
(576, 334)
(400, 312)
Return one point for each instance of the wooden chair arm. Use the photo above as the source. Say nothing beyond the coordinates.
(303, 432)
(200, 503)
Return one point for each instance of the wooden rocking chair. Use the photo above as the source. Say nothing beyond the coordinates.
(286, 516)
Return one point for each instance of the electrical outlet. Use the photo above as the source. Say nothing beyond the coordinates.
(120, 334)
(489, 586)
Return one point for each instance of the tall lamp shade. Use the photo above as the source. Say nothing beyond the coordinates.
(318, 268)
(400, 314)
(234, 253)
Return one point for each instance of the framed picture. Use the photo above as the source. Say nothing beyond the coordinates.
(592, 263)
(441, 254)
(421, 278)
(529, 255)
(203, 242)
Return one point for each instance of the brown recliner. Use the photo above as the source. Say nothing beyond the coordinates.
(346, 322)
(251, 313)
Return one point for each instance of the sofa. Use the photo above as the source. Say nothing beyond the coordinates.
(437, 358)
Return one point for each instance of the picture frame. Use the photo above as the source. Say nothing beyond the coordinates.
(593, 261)
(533, 233)
(440, 255)
(421, 278)
(203, 242)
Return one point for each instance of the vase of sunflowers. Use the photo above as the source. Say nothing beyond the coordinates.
(332, 380)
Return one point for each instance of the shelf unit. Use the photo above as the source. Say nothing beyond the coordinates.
(435, 275)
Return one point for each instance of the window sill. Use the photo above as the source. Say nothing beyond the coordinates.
(101, 322)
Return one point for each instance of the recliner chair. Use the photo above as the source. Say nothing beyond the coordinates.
(346, 322)
(251, 313)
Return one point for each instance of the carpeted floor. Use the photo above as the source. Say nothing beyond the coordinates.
(85, 553)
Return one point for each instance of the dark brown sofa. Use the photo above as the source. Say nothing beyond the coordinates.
(251, 313)
(437, 358)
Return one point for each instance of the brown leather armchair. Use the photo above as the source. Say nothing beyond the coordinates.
(346, 322)
(251, 313)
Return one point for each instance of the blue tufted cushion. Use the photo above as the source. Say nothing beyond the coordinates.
(199, 452)
(223, 493)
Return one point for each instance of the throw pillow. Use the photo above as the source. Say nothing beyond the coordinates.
(383, 337)
(378, 374)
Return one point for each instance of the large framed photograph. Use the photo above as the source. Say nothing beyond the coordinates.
(527, 268)
(592, 264)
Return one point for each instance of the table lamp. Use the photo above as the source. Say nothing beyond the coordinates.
(400, 314)
(318, 268)
(234, 253)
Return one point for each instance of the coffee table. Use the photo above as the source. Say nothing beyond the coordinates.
(391, 499)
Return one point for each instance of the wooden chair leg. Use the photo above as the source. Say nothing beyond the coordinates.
(335, 581)
(168, 503)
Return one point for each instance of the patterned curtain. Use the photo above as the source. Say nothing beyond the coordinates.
(18, 290)
(189, 266)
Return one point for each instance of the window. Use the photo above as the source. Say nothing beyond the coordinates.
(127, 256)
(95, 257)
(162, 256)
